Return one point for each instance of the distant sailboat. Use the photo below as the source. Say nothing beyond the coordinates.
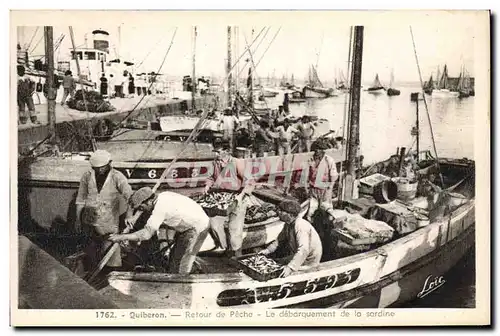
(463, 85)
(443, 87)
(429, 86)
(391, 91)
(376, 87)
(314, 88)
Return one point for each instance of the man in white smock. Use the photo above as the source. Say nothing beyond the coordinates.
(180, 214)
(101, 199)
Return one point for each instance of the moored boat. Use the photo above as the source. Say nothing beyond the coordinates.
(392, 91)
(376, 88)
(443, 89)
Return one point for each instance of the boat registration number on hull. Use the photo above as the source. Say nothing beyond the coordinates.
(237, 297)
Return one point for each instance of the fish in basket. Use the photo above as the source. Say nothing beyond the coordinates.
(259, 267)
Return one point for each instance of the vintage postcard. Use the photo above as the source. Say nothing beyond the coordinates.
(258, 168)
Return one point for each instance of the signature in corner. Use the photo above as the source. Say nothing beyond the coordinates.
(431, 284)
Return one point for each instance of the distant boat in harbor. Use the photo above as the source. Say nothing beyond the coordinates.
(376, 87)
(314, 88)
(391, 91)
(429, 86)
(443, 89)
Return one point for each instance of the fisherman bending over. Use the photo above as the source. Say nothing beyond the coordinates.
(179, 213)
(298, 235)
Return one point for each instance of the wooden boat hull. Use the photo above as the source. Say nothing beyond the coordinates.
(312, 92)
(393, 92)
(444, 93)
(388, 276)
(296, 100)
(376, 91)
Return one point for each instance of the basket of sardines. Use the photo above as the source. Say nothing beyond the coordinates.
(259, 267)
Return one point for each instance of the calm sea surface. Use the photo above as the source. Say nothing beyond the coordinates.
(385, 124)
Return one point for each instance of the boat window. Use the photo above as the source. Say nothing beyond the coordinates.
(79, 54)
(89, 55)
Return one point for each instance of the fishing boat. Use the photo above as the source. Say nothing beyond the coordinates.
(391, 91)
(429, 86)
(376, 88)
(375, 276)
(297, 97)
(464, 86)
(314, 88)
(443, 89)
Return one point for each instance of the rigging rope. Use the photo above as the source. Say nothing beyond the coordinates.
(92, 140)
(154, 77)
(426, 108)
(32, 37)
(249, 50)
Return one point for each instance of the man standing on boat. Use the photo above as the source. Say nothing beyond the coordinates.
(179, 213)
(307, 130)
(228, 124)
(298, 237)
(223, 166)
(99, 203)
(321, 179)
(284, 135)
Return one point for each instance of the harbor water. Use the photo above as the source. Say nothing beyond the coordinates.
(385, 125)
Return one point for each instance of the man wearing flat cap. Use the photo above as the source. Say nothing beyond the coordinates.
(101, 195)
(180, 214)
(298, 237)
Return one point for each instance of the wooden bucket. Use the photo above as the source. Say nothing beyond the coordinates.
(406, 190)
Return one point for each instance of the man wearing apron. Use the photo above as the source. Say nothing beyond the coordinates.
(102, 198)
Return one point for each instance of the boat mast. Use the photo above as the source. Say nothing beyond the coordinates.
(353, 143)
(228, 67)
(193, 88)
(237, 52)
(51, 94)
(250, 97)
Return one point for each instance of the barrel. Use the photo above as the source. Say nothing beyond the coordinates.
(407, 190)
(385, 192)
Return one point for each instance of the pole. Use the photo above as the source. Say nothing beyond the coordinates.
(193, 91)
(418, 133)
(228, 67)
(51, 93)
(353, 143)
(237, 52)
(251, 74)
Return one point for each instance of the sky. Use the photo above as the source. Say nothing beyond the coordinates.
(295, 47)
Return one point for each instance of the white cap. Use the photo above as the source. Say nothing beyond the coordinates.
(99, 158)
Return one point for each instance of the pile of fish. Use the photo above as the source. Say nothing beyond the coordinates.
(260, 213)
(261, 264)
(216, 202)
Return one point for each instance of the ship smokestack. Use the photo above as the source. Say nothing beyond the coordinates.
(101, 40)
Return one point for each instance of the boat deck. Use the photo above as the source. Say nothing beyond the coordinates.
(122, 105)
(150, 108)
